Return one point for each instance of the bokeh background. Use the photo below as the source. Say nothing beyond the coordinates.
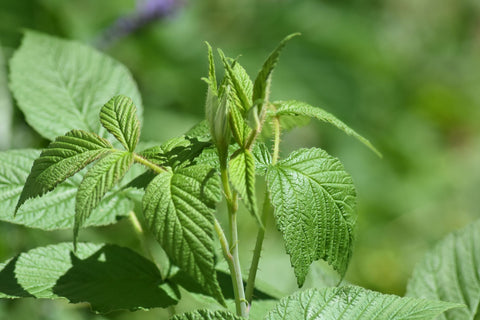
(404, 73)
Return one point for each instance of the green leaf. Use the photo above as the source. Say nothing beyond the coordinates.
(65, 83)
(263, 157)
(451, 272)
(56, 209)
(201, 131)
(178, 208)
(63, 158)
(241, 171)
(314, 201)
(96, 182)
(355, 303)
(119, 117)
(240, 82)
(293, 107)
(176, 152)
(212, 78)
(207, 315)
(261, 86)
(108, 277)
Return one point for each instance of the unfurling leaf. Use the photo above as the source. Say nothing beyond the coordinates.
(98, 180)
(119, 117)
(60, 84)
(293, 107)
(178, 207)
(314, 201)
(451, 272)
(63, 158)
(241, 170)
(261, 86)
(355, 303)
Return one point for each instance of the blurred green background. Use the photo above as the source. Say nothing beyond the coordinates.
(403, 73)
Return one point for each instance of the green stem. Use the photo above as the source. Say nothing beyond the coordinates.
(265, 213)
(148, 164)
(258, 249)
(231, 253)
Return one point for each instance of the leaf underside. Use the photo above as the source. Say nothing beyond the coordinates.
(355, 303)
(292, 107)
(108, 277)
(314, 201)
(178, 208)
(451, 272)
(65, 83)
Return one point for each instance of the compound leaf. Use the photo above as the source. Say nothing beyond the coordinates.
(65, 83)
(263, 79)
(56, 209)
(355, 303)
(178, 207)
(204, 314)
(108, 277)
(241, 170)
(97, 181)
(119, 117)
(293, 107)
(63, 158)
(451, 272)
(314, 201)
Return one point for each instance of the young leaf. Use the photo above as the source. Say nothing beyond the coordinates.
(108, 277)
(212, 78)
(293, 107)
(241, 170)
(65, 83)
(262, 82)
(262, 156)
(355, 303)
(56, 209)
(119, 117)
(451, 272)
(178, 207)
(314, 200)
(98, 180)
(204, 314)
(240, 83)
(63, 158)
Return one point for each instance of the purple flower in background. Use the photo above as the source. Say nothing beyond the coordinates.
(147, 11)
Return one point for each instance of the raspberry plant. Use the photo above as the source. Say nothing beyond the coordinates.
(93, 174)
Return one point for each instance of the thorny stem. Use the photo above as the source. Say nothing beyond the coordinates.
(231, 252)
(267, 207)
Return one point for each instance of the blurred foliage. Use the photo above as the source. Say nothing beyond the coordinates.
(404, 73)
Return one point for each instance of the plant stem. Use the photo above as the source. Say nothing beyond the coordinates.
(265, 212)
(258, 249)
(231, 253)
(148, 164)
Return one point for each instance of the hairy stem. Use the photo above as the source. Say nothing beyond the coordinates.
(148, 164)
(231, 252)
(265, 213)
